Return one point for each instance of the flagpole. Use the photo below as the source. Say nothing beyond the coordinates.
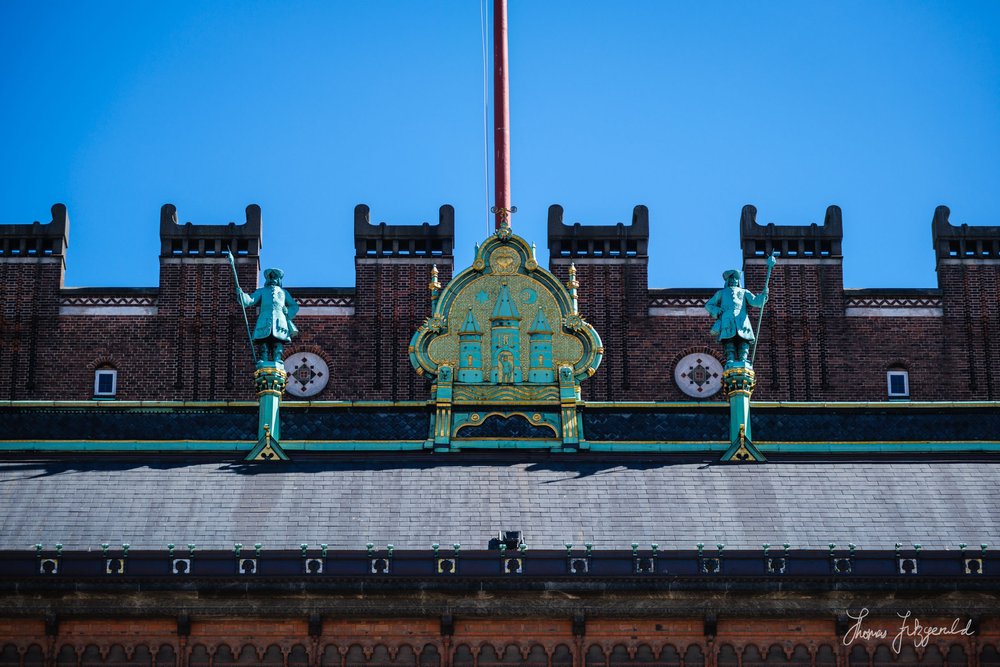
(771, 261)
(501, 114)
(236, 280)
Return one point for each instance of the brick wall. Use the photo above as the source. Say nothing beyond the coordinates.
(185, 339)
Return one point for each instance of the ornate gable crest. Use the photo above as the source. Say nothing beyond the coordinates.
(507, 349)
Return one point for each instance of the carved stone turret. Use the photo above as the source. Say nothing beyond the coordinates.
(470, 353)
(540, 352)
(506, 339)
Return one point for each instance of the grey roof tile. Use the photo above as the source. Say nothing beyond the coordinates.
(414, 502)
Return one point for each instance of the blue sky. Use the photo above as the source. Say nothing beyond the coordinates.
(308, 108)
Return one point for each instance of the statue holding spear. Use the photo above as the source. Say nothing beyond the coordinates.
(274, 326)
(730, 309)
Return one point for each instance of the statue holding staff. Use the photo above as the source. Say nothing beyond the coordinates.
(274, 325)
(730, 307)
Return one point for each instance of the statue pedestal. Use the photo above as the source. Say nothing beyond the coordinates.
(269, 379)
(738, 381)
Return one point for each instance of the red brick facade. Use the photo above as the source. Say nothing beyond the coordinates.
(477, 642)
(184, 340)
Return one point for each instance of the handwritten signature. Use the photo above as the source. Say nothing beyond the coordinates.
(910, 627)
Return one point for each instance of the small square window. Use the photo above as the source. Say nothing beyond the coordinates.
(898, 384)
(105, 382)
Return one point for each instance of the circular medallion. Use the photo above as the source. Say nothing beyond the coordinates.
(699, 375)
(307, 374)
(505, 261)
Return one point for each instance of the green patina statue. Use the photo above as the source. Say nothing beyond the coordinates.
(730, 309)
(274, 325)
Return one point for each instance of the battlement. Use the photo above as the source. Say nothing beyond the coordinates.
(190, 240)
(792, 241)
(36, 239)
(962, 242)
(618, 241)
(424, 240)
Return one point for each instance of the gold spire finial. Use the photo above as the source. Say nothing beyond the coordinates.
(434, 284)
(572, 284)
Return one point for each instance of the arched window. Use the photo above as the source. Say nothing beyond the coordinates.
(298, 657)
(273, 657)
(562, 656)
(91, 657)
(9, 657)
(595, 656)
(694, 657)
(66, 657)
(825, 657)
(463, 657)
(429, 657)
(727, 657)
(34, 657)
(990, 657)
(858, 657)
(166, 657)
(199, 656)
(330, 657)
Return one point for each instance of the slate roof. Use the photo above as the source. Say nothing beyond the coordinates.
(414, 501)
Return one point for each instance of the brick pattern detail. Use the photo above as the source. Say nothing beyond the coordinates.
(344, 301)
(892, 302)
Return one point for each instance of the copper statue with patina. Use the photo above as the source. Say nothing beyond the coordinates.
(274, 325)
(730, 307)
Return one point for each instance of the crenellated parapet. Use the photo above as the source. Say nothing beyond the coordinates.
(792, 241)
(615, 242)
(612, 262)
(967, 260)
(404, 241)
(209, 241)
(394, 264)
(36, 240)
(820, 341)
(962, 243)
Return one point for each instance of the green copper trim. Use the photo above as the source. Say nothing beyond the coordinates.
(881, 447)
(155, 447)
(659, 447)
(723, 404)
(122, 446)
(359, 446)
